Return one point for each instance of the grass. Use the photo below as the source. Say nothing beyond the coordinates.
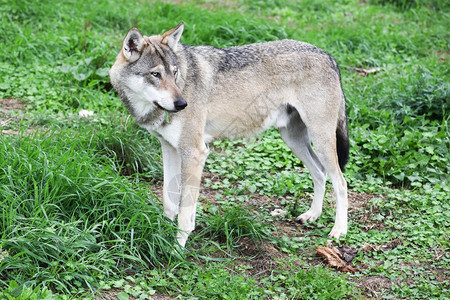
(232, 226)
(67, 216)
(78, 216)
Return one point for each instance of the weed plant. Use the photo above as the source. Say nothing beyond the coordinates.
(68, 217)
(232, 226)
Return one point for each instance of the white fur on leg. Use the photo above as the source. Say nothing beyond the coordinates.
(170, 208)
(309, 216)
(295, 135)
(172, 180)
(341, 222)
(182, 238)
(186, 217)
(338, 230)
(192, 168)
(171, 195)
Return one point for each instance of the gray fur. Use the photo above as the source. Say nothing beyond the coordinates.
(234, 92)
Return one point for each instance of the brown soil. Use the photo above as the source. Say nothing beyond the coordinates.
(8, 107)
(11, 104)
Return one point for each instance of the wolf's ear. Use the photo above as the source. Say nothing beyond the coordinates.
(172, 36)
(133, 44)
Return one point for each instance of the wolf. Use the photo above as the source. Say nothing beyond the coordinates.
(188, 96)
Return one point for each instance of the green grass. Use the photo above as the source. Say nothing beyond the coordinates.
(225, 281)
(232, 226)
(68, 217)
(77, 212)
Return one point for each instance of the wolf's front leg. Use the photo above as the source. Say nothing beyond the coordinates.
(172, 180)
(191, 172)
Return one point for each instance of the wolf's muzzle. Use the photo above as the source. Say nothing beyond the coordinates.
(180, 104)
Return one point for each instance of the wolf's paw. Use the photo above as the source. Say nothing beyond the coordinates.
(308, 216)
(182, 238)
(338, 231)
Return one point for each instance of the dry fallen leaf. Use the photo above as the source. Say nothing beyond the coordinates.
(348, 253)
(333, 258)
(369, 247)
(364, 72)
(386, 247)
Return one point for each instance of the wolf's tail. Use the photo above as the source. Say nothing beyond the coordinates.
(342, 140)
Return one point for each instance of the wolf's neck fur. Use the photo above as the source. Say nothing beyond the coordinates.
(145, 115)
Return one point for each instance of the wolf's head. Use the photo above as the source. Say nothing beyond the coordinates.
(145, 73)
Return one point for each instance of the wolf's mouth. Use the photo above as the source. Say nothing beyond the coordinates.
(160, 107)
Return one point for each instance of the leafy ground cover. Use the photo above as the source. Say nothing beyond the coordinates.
(80, 215)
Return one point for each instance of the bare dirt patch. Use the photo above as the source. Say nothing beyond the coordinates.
(260, 260)
(11, 104)
(111, 294)
(373, 286)
(8, 107)
(362, 209)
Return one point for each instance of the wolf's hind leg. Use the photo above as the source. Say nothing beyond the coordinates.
(324, 140)
(295, 135)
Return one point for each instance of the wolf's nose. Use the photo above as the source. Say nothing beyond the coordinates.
(180, 104)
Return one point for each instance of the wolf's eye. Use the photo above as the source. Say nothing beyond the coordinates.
(175, 72)
(156, 74)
